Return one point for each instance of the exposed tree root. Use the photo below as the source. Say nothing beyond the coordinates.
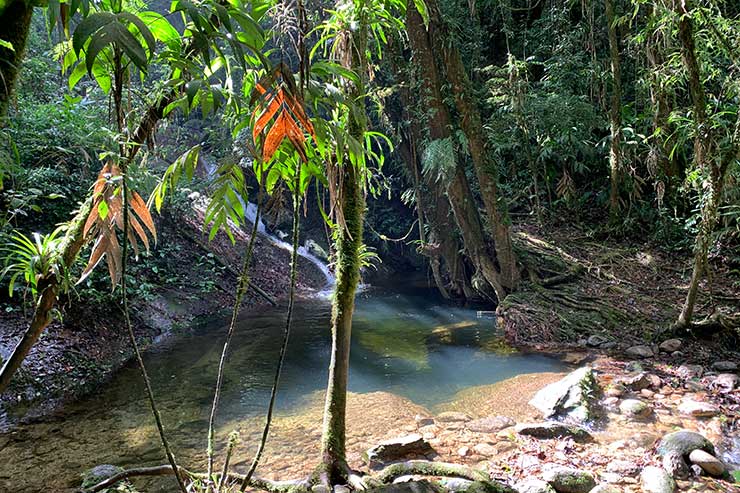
(355, 479)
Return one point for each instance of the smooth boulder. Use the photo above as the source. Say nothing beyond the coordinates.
(570, 397)
(656, 480)
(533, 486)
(709, 463)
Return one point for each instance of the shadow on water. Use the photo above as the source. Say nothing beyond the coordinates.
(408, 344)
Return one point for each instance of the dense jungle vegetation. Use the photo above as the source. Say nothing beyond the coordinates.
(431, 136)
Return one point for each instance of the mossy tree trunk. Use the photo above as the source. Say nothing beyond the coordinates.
(348, 245)
(615, 113)
(712, 169)
(15, 22)
(482, 254)
(484, 165)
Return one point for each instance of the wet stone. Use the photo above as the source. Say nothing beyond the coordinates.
(698, 409)
(553, 430)
(533, 486)
(635, 408)
(640, 351)
(568, 480)
(398, 448)
(709, 463)
(670, 345)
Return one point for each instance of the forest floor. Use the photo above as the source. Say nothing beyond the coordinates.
(192, 280)
(612, 295)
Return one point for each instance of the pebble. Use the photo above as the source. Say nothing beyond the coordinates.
(463, 451)
(485, 449)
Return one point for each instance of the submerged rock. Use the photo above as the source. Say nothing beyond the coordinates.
(93, 476)
(490, 424)
(568, 480)
(657, 480)
(709, 463)
(398, 448)
(533, 486)
(570, 397)
(553, 430)
(453, 417)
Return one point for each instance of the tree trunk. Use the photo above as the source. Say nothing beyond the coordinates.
(439, 126)
(15, 20)
(615, 114)
(48, 289)
(712, 171)
(348, 245)
(484, 166)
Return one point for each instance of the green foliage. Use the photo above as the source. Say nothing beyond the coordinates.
(32, 260)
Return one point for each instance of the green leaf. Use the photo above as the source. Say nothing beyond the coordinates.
(162, 29)
(88, 27)
(143, 29)
(103, 209)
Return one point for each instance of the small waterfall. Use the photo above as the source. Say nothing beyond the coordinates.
(250, 212)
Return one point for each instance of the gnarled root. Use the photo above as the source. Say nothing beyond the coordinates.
(355, 479)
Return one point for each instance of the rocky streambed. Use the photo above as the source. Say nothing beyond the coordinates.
(609, 427)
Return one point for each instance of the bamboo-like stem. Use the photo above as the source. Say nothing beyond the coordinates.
(286, 334)
(240, 292)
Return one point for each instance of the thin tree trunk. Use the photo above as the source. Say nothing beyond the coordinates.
(615, 114)
(348, 246)
(712, 170)
(484, 166)
(15, 20)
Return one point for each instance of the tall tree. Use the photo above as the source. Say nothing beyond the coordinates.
(712, 169)
(615, 112)
(506, 272)
(348, 243)
(440, 132)
(15, 19)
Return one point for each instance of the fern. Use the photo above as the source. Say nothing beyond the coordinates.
(438, 160)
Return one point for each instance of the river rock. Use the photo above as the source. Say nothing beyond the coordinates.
(93, 476)
(690, 371)
(656, 480)
(676, 465)
(596, 340)
(341, 488)
(568, 480)
(635, 408)
(553, 430)
(698, 409)
(533, 486)
(569, 397)
(623, 467)
(397, 448)
(696, 470)
(640, 351)
(636, 381)
(316, 250)
(725, 382)
(684, 442)
(670, 345)
(453, 417)
(724, 366)
(490, 424)
(485, 449)
(709, 463)
(605, 488)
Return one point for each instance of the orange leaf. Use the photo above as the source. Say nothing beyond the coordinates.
(275, 136)
(267, 115)
(141, 210)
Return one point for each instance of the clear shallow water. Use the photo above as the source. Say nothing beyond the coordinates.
(409, 345)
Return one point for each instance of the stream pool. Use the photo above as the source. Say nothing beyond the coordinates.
(408, 345)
